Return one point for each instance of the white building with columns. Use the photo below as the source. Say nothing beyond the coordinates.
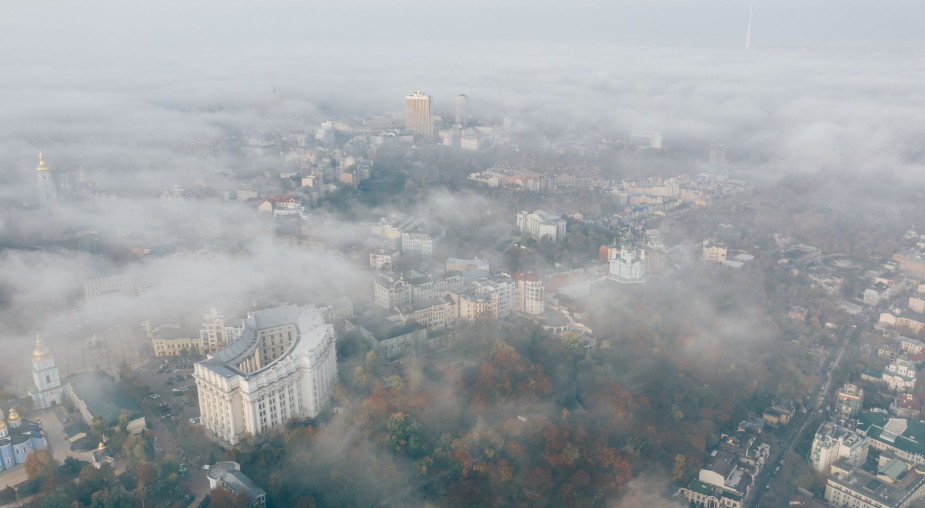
(283, 366)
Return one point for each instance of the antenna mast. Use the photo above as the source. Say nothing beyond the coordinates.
(748, 29)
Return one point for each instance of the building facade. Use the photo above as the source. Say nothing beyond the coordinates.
(531, 293)
(833, 442)
(418, 117)
(628, 264)
(849, 400)
(18, 438)
(217, 332)
(227, 475)
(283, 366)
(390, 290)
(462, 110)
(46, 389)
(168, 341)
(541, 223)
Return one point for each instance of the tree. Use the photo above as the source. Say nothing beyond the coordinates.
(111, 497)
(372, 361)
(72, 466)
(99, 429)
(138, 448)
(90, 481)
(40, 465)
(680, 467)
(404, 433)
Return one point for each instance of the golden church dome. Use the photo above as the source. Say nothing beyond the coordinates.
(42, 168)
(41, 351)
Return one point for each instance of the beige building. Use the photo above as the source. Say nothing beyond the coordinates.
(912, 262)
(284, 366)
(433, 314)
(714, 252)
(418, 116)
(490, 297)
(217, 332)
(170, 341)
(531, 293)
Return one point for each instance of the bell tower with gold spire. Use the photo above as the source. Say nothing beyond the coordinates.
(46, 392)
(48, 195)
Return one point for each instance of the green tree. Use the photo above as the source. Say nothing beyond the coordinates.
(138, 448)
(404, 433)
(111, 497)
(90, 481)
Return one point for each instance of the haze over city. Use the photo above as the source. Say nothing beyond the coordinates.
(624, 253)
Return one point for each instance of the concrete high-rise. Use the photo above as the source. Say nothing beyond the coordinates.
(462, 110)
(418, 117)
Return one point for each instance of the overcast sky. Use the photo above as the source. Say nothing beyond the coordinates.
(123, 86)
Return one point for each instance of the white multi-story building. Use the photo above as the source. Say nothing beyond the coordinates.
(417, 242)
(833, 442)
(382, 259)
(390, 290)
(541, 223)
(284, 366)
(900, 375)
(531, 292)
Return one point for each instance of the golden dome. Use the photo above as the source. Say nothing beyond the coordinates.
(41, 351)
(14, 416)
(42, 168)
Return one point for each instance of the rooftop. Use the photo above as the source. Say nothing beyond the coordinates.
(891, 484)
(903, 434)
(103, 397)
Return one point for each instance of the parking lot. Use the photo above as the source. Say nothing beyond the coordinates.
(173, 391)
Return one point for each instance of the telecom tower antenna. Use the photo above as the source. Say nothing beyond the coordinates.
(748, 29)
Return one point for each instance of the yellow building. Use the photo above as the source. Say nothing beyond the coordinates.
(169, 341)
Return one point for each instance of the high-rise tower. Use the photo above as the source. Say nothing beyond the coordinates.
(46, 392)
(48, 196)
(418, 117)
(462, 109)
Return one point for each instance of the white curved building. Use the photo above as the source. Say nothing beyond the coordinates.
(283, 366)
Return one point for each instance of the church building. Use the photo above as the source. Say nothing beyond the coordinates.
(46, 390)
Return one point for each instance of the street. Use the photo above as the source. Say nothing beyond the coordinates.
(765, 480)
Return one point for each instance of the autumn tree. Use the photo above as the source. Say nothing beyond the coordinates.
(40, 465)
